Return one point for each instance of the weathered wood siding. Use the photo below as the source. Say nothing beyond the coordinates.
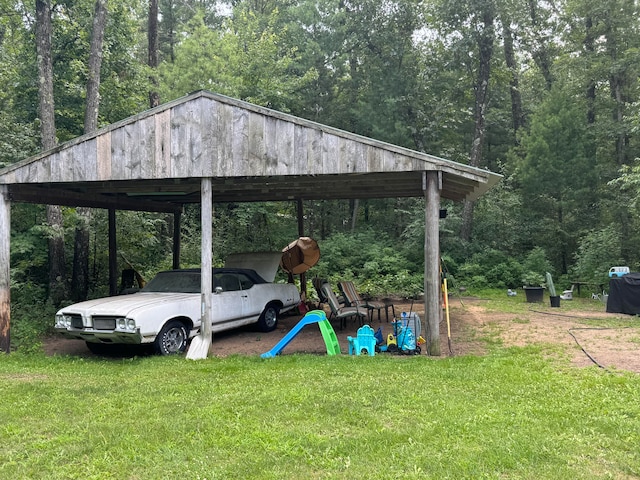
(208, 137)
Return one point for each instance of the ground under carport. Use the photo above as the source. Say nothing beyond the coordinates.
(471, 322)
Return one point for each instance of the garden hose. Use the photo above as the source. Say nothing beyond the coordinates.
(589, 356)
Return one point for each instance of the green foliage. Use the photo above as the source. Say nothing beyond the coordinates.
(598, 251)
(245, 58)
(534, 264)
(490, 268)
(31, 317)
(401, 72)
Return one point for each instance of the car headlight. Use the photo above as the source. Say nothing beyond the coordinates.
(63, 321)
(128, 324)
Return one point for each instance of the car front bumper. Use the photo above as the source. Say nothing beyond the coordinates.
(102, 336)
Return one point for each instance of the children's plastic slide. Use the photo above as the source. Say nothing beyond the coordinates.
(314, 316)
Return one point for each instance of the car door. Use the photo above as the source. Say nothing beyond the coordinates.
(229, 302)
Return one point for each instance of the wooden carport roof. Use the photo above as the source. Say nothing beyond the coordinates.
(154, 161)
(206, 146)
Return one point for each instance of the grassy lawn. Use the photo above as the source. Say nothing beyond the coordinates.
(514, 413)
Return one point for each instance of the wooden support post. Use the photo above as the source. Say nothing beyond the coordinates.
(199, 348)
(206, 274)
(177, 225)
(303, 275)
(5, 279)
(113, 254)
(432, 291)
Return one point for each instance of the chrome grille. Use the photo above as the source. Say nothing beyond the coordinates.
(104, 323)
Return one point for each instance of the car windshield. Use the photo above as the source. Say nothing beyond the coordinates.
(178, 282)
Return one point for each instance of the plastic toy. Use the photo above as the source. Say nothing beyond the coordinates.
(314, 316)
(365, 341)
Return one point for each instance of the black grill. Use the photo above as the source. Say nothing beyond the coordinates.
(76, 321)
(104, 323)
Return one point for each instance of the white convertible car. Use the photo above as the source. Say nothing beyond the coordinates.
(167, 311)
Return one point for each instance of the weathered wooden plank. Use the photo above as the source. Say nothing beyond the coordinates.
(256, 142)
(119, 154)
(145, 148)
(270, 161)
(43, 168)
(186, 148)
(103, 156)
(349, 162)
(5, 279)
(432, 290)
(65, 166)
(209, 139)
(84, 164)
(314, 150)
(239, 160)
(360, 158)
(300, 165)
(131, 158)
(375, 159)
(330, 154)
(284, 142)
(162, 144)
(224, 134)
(200, 345)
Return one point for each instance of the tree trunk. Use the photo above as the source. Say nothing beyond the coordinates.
(80, 275)
(485, 40)
(540, 51)
(517, 114)
(591, 86)
(154, 96)
(57, 270)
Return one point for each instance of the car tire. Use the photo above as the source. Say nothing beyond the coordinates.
(172, 338)
(268, 320)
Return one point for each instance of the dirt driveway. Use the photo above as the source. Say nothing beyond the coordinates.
(471, 323)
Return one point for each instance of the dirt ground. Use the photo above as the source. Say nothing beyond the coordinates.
(612, 348)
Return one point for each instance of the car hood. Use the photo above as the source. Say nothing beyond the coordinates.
(264, 263)
(124, 304)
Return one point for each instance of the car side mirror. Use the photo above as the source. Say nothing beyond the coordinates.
(218, 290)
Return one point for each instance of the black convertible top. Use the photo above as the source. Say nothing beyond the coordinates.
(187, 280)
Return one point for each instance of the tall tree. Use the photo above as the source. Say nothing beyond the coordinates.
(483, 16)
(80, 273)
(58, 290)
(152, 37)
(560, 202)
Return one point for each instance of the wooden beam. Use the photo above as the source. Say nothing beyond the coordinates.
(5, 279)
(303, 275)
(432, 291)
(177, 225)
(207, 256)
(113, 254)
(71, 198)
(201, 344)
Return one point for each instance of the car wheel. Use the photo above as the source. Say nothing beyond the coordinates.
(268, 320)
(172, 338)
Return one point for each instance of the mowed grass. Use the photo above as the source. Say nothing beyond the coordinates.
(514, 413)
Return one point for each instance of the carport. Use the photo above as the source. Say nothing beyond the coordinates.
(206, 147)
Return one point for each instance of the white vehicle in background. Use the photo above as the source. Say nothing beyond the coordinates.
(167, 311)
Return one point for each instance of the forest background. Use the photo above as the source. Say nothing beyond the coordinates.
(544, 92)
